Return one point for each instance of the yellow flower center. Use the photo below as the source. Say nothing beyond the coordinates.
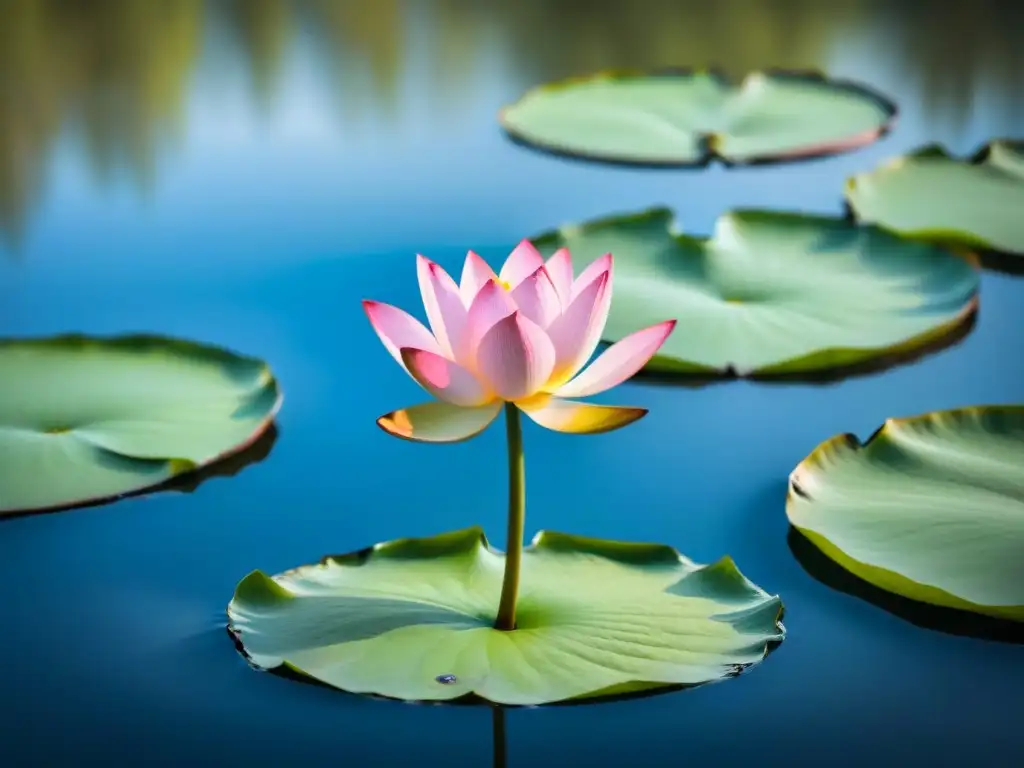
(504, 284)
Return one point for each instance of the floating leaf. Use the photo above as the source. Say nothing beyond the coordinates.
(686, 117)
(930, 195)
(931, 507)
(89, 419)
(926, 615)
(412, 619)
(773, 293)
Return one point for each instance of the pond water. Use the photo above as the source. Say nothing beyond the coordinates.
(244, 174)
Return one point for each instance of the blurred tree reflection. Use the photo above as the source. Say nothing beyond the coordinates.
(364, 45)
(29, 108)
(114, 74)
(549, 40)
(957, 52)
(263, 28)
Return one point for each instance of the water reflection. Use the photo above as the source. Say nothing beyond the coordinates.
(114, 76)
(959, 56)
(262, 30)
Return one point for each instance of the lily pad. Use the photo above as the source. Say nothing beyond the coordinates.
(85, 419)
(413, 619)
(930, 195)
(930, 507)
(679, 117)
(774, 293)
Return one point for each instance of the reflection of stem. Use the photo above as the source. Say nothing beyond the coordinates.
(500, 752)
(516, 519)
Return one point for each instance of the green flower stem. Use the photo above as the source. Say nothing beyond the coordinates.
(516, 520)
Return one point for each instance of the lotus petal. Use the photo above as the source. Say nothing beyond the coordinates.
(475, 273)
(592, 270)
(581, 418)
(515, 357)
(445, 379)
(619, 362)
(521, 263)
(576, 333)
(537, 298)
(439, 422)
(559, 268)
(396, 328)
(491, 304)
(443, 303)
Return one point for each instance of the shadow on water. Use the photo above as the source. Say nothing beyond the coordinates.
(1009, 264)
(228, 466)
(187, 482)
(948, 620)
(826, 377)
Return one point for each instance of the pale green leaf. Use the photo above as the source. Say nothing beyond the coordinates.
(773, 293)
(931, 507)
(930, 195)
(88, 419)
(682, 118)
(594, 617)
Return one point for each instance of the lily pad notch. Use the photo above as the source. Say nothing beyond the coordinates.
(414, 619)
(928, 194)
(776, 295)
(687, 117)
(85, 420)
(929, 507)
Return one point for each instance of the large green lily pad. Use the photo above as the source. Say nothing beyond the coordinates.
(687, 117)
(91, 419)
(930, 507)
(930, 195)
(773, 293)
(594, 618)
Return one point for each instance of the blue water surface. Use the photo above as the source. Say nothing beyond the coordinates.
(259, 222)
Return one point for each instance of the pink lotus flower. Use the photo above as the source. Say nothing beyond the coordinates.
(521, 337)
